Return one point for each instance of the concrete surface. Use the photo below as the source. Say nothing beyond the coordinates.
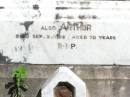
(101, 81)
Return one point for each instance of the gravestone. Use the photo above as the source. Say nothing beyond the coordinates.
(64, 83)
(55, 31)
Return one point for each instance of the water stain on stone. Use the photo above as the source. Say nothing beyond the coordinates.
(37, 15)
(57, 16)
(4, 59)
(27, 24)
(29, 47)
(19, 48)
(24, 59)
(69, 17)
(59, 33)
(15, 49)
(82, 17)
(85, 8)
(23, 36)
(94, 17)
(63, 8)
(2, 7)
(87, 17)
(36, 7)
(72, 2)
(84, 3)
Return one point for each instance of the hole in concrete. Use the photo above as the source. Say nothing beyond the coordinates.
(64, 89)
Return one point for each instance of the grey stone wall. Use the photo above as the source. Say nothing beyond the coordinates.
(101, 81)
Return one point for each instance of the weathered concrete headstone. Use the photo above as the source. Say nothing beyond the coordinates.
(64, 83)
(55, 31)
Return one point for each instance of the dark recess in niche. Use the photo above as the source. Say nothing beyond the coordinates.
(64, 89)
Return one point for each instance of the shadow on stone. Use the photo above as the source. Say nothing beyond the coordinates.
(39, 93)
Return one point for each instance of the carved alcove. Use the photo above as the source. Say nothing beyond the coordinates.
(64, 83)
(64, 89)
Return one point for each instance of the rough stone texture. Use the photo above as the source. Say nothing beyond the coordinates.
(101, 81)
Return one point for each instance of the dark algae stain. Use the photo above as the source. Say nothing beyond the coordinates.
(24, 35)
(24, 59)
(82, 17)
(27, 24)
(57, 16)
(2, 7)
(87, 17)
(69, 17)
(94, 17)
(4, 59)
(63, 8)
(36, 7)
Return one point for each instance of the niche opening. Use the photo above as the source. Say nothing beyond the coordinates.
(64, 89)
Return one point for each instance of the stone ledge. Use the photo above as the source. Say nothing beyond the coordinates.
(84, 71)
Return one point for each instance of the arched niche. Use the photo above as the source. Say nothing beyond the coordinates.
(63, 76)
